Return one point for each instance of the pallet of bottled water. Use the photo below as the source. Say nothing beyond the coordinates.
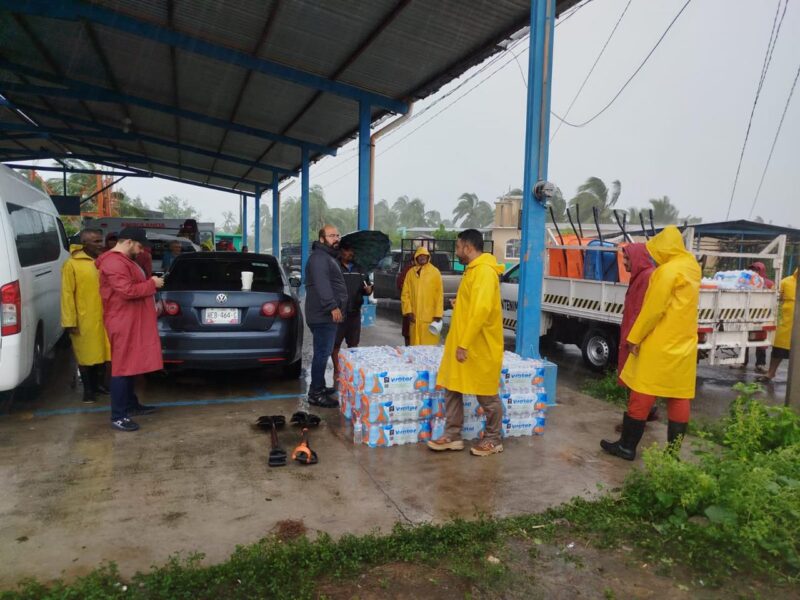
(390, 396)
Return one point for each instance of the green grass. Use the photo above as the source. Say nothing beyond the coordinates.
(607, 388)
(732, 512)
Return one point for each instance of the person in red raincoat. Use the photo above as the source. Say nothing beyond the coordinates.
(761, 351)
(129, 315)
(638, 263)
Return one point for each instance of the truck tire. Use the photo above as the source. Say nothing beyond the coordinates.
(598, 349)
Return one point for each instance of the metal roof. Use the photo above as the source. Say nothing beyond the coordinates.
(227, 93)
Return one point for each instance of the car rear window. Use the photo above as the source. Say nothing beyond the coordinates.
(212, 274)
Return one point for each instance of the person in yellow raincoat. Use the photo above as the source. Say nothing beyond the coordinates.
(82, 313)
(663, 345)
(783, 336)
(473, 351)
(422, 299)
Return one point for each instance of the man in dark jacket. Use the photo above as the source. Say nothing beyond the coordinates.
(326, 304)
(358, 285)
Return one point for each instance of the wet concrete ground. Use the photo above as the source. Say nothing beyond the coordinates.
(74, 493)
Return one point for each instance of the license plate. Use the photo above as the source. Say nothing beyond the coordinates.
(221, 316)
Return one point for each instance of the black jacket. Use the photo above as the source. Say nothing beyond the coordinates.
(325, 288)
(354, 282)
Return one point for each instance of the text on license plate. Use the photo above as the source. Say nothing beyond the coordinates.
(221, 316)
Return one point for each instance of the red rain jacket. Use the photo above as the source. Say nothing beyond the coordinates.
(129, 315)
(641, 268)
(761, 269)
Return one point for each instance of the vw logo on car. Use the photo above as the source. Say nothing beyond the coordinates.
(222, 298)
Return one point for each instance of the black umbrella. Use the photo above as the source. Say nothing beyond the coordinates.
(370, 247)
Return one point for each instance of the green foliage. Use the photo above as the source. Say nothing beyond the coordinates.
(737, 507)
(445, 234)
(607, 388)
(474, 212)
(174, 207)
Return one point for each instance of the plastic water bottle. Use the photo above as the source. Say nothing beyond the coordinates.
(358, 433)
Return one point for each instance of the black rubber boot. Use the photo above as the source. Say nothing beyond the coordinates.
(625, 446)
(675, 434)
(653, 416)
(88, 381)
(100, 379)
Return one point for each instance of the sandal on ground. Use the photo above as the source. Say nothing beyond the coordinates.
(445, 443)
(763, 379)
(486, 448)
(304, 419)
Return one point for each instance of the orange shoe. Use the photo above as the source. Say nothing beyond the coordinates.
(445, 443)
(486, 448)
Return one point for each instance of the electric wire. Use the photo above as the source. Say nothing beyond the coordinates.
(773, 39)
(591, 70)
(774, 142)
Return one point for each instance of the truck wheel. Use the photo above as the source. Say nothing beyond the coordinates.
(598, 349)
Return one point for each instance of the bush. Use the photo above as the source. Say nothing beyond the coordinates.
(607, 388)
(738, 507)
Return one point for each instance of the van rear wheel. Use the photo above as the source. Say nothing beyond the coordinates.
(36, 378)
(598, 349)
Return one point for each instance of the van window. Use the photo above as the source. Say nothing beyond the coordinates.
(36, 235)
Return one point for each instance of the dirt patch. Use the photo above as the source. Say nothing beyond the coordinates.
(397, 581)
(289, 529)
(172, 517)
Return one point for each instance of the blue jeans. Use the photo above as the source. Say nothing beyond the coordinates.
(123, 396)
(324, 335)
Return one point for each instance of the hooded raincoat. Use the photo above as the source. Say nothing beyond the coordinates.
(666, 328)
(477, 326)
(761, 269)
(641, 268)
(788, 292)
(82, 309)
(129, 314)
(423, 296)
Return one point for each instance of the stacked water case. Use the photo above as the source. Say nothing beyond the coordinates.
(390, 396)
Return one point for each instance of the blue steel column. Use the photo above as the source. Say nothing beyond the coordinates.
(304, 208)
(244, 220)
(257, 219)
(537, 132)
(276, 219)
(364, 118)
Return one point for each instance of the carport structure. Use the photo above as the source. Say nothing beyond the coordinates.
(238, 95)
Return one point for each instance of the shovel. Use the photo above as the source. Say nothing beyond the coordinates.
(277, 455)
(303, 453)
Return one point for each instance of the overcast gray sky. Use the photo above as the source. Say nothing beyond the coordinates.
(677, 130)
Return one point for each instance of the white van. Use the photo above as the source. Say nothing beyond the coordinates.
(33, 247)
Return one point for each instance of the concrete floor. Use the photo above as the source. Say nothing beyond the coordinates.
(74, 493)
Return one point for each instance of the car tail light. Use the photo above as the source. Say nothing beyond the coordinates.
(11, 300)
(269, 309)
(287, 310)
(756, 336)
(171, 308)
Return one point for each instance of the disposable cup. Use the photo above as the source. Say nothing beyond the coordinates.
(247, 280)
(435, 328)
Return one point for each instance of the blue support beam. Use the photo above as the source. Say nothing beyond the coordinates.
(99, 131)
(79, 90)
(304, 209)
(73, 10)
(257, 219)
(537, 134)
(364, 170)
(244, 221)
(276, 220)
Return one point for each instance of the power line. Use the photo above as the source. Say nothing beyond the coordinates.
(589, 74)
(636, 72)
(773, 39)
(774, 141)
(569, 14)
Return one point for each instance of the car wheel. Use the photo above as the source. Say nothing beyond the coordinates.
(598, 349)
(6, 400)
(36, 377)
(294, 370)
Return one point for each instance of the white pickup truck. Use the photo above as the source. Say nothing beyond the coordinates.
(588, 313)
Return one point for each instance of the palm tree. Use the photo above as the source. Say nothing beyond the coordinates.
(664, 212)
(594, 193)
(386, 219)
(474, 212)
(433, 218)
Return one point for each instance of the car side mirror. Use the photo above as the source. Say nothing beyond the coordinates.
(294, 280)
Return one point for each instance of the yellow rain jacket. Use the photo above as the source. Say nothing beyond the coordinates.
(81, 307)
(423, 296)
(666, 328)
(783, 336)
(477, 326)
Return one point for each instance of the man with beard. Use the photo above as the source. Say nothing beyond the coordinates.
(326, 303)
(129, 314)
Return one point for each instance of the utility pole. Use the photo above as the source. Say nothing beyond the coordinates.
(793, 381)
